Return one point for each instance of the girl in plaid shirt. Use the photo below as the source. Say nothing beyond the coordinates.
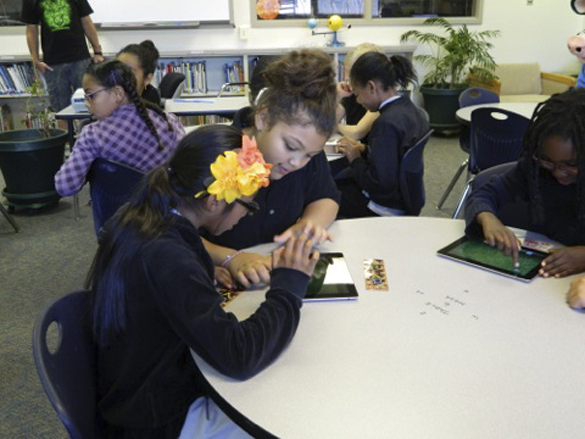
(128, 130)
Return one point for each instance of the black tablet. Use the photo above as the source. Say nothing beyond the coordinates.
(331, 280)
(482, 255)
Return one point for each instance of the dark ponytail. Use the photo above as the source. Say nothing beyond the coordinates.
(145, 217)
(301, 89)
(147, 55)
(115, 73)
(396, 71)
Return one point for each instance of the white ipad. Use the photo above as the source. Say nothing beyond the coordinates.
(331, 280)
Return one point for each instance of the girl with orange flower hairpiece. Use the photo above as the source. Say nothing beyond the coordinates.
(154, 298)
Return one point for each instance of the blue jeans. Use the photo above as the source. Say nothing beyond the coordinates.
(63, 81)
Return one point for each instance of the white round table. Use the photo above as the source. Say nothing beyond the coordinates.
(450, 351)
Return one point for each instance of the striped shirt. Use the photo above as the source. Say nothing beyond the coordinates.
(122, 137)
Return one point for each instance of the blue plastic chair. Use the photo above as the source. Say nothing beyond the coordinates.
(497, 136)
(68, 372)
(470, 96)
(412, 187)
(476, 96)
(110, 185)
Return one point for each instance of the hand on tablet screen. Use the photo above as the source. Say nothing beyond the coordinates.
(297, 254)
(498, 235)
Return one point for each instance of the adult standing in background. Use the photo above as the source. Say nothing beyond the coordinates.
(64, 26)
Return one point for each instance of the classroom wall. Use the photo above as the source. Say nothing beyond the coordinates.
(530, 33)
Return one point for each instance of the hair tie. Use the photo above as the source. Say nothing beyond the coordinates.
(113, 77)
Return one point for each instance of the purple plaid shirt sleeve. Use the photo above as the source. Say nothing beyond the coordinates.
(122, 137)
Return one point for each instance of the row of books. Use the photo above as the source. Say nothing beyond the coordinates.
(196, 75)
(15, 78)
(203, 120)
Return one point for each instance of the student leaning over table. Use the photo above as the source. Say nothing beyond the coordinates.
(154, 294)
(128, 130)
(294, 117)
(549, 179)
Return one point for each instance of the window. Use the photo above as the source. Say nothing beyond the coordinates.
(373, 12)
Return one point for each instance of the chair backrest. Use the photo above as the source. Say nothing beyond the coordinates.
(171, 85)
(110, 185)
(68, 371)
(476, 95)
(496, 137)
(412, 186)
(514, 213)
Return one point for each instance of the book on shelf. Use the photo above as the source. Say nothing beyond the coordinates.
(15, 78)
(234, 73)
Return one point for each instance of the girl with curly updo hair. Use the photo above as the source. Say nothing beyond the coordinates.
(293, 118)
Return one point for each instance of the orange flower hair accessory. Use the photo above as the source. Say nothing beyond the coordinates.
(238, 174)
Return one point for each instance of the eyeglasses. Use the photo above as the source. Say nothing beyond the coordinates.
(252, 206)
(551, 166)
(91, 96)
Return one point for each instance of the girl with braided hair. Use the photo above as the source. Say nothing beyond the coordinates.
(548, 181)
(128, 130)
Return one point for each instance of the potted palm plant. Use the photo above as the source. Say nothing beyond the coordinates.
(455, 57)
(30, 158)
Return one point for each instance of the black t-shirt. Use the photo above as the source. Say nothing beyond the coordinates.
(62, 35)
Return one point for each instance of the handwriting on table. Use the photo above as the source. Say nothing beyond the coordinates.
(450, 303)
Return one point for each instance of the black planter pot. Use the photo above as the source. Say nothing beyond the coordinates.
(441, 104)
(29, 163)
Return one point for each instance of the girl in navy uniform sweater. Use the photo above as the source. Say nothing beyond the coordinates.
(370, 185)
(154, 297)
(546, 187)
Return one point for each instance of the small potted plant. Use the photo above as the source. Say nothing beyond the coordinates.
(455, 57)
(30, 158)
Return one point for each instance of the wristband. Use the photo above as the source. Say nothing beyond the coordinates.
(98, 53)
(230, 257)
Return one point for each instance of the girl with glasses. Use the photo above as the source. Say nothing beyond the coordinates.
(548, 181)
(128, 130)
(154, 296)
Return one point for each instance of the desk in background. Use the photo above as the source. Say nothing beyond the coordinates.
(225, 106)
(450, 351)
(525, 109)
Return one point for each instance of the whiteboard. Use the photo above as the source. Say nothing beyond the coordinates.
(112, 13)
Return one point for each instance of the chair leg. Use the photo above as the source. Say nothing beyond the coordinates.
(452, 184)
(9, 217)
(462, 199)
